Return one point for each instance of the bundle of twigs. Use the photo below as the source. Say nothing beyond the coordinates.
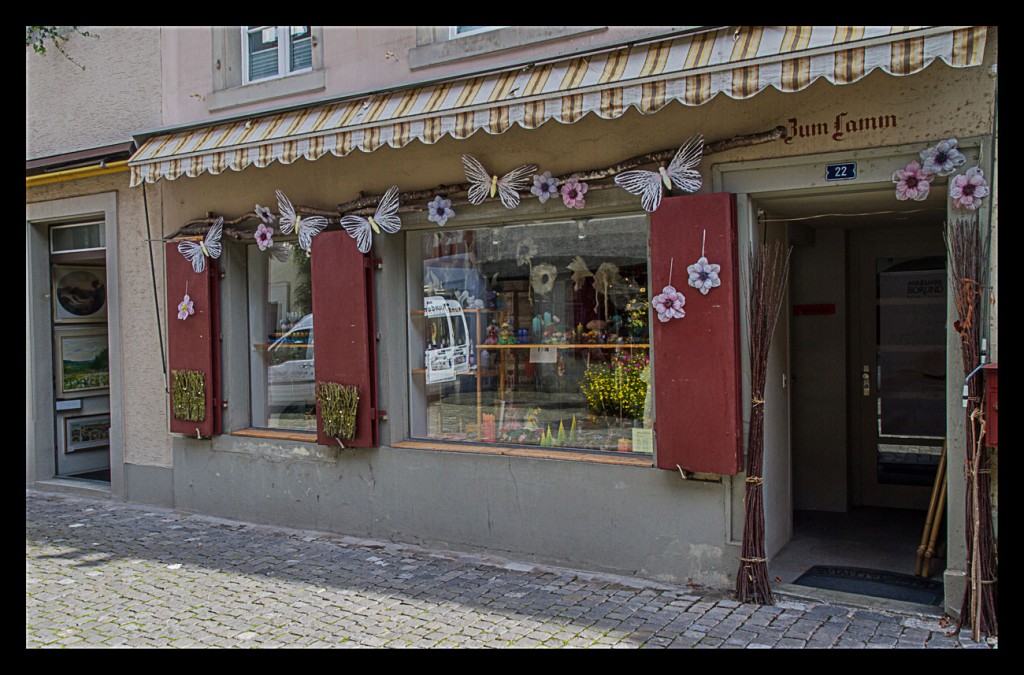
(769, 270)
(967, 261)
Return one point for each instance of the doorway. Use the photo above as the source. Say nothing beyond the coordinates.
(81, 352)
(867, 350)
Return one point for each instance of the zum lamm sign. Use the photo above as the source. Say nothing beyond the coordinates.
(839, 128)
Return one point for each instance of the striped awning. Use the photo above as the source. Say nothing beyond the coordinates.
(738, 62)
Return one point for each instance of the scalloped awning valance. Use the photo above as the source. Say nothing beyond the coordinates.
(692, 69)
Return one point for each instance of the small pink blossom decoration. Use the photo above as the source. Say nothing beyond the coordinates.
(264, 237)
(912, 182)
(704, 275)
(185, 308)
(572, 193)
(942, 158)
(669, 304)
(968, 189)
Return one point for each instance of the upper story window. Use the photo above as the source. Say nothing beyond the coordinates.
(255, 64)
(275, 51)
(457, 31)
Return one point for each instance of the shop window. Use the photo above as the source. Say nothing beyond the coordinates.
(281, 367)
(534, 334)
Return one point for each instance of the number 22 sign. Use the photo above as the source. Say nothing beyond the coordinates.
(843, 171)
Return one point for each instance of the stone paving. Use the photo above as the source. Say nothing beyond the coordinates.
(105, 574)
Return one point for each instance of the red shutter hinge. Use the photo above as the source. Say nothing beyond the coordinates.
(381, 415)
(378, 263)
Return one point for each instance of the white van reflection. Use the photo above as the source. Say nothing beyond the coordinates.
(291, 386)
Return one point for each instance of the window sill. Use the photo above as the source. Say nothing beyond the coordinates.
(278, 434)
(623, 459)
(290, 85)
(489, 42)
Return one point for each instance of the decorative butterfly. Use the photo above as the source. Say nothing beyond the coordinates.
(384, 218)
(208, 247)
(482, 183)
(681, 171)
(306, 227)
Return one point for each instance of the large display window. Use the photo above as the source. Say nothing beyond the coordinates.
(532, 334)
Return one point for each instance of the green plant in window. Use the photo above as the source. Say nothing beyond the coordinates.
(338, 407)
(303, 296)
(188, 388)
(636, 316)
(617, 388)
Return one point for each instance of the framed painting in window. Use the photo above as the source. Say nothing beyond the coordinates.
(86, 432)
(79, 294)
(82, 362)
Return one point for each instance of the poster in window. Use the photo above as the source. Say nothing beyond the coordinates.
(82, 362)
(440, 365)
(79, 294)
(86, 432)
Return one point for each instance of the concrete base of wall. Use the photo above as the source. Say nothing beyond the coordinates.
(149, 484)
(955, 582)
(89, 488)
(631, 521)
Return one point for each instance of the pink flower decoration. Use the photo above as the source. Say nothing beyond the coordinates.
(968, 189)
(264, 237)
(669, 304)
(912, 182)
(185, 308)
(572, 193)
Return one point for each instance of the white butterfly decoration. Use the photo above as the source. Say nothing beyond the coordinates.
(483, 184)
(306, 227)
(681, 171)
(208, 247)
(384, 218)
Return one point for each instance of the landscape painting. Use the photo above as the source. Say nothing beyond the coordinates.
(83, 357)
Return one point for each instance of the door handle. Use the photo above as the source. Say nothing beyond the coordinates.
(865, 377)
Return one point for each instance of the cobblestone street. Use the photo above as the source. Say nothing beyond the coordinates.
(107, 574)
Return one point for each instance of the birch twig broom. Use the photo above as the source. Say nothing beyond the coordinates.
(769, 270)
(967, 260)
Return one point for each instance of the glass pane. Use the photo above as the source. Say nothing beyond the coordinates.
(912, 349)
(282, 378)
(462, 30)
(83, 237)
(554, 323)
(301, 56)
(262, 52)
(911, 374)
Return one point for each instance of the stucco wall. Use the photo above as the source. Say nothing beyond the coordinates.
(68, 108)
(144, 401)
(356, 59)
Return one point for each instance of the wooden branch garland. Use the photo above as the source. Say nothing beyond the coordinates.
(246, 224)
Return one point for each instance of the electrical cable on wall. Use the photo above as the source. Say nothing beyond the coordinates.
(156, 300)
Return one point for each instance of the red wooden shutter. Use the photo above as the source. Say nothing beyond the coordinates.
(697, 376)
(344, 330)
(193, 344)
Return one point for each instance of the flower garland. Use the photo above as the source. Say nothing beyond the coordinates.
(572, 188)
(942, 159)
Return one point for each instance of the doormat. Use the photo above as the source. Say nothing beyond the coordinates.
(875, 583)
